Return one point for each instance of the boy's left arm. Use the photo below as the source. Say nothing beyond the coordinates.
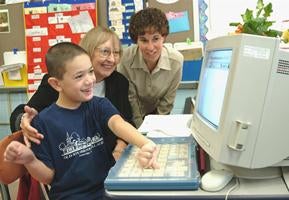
(18, 153)
(148, 150)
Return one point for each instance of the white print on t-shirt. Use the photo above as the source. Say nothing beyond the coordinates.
(75, 146)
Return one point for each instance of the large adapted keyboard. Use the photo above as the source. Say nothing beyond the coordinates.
(178, 168)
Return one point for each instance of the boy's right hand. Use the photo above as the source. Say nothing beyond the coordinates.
(17, 152)
(30, 133)
(147, 155)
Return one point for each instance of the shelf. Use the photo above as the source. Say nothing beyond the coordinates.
(12, 89)
(188, 85)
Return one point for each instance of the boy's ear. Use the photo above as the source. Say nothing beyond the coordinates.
(54, 82)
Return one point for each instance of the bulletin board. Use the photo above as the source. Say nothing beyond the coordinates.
(14, 37)
(50, 22)
(118, 17)
(183, 17)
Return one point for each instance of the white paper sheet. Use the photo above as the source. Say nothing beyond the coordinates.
(167, 125)
(13, 61)
(81, 23)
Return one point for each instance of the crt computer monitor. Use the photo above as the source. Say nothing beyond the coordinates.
(241, 116)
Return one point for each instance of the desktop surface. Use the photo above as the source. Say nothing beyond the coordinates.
(272, 189)
(178, 168)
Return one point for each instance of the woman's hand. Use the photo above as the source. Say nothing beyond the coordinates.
(30, 133)
(147, 156)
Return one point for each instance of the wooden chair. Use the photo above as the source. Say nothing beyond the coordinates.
(4, 192)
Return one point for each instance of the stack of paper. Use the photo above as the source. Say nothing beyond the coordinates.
(13, 62)
(175, 125)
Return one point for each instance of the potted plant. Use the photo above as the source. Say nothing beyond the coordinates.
(257, 22)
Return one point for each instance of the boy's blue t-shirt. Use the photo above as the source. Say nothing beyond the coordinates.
(73, 146)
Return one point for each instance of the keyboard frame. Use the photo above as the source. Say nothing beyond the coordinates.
(188, 182)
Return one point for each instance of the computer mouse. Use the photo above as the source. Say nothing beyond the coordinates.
(215, 180)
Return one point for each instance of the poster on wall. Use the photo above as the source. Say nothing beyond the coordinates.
(118, 16)
(183, 17)
(178, 21)
(49, 23)
(4, 21)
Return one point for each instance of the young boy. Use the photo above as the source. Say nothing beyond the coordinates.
(72, 157)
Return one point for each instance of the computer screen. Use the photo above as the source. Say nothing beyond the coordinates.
(242, 106)
(214, 84)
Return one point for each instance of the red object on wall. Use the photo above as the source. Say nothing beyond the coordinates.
(43, 30)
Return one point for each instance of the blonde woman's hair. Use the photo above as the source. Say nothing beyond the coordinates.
(96, 37)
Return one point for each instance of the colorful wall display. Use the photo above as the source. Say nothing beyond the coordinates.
(118, 16)
(51, 22)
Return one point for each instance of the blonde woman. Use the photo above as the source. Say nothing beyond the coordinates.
(104, 49)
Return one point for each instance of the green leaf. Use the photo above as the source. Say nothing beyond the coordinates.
(268, 10)
(259, 7)
(234, 23)
(259, 13)
(260, 4)
(258, 25)
(263, 27)
(273, 33)
(248, 29)
(248, 15)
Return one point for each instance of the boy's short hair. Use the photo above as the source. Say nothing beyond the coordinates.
(152, 18)
(58, 55)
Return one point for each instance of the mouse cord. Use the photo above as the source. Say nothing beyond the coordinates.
(237, 183)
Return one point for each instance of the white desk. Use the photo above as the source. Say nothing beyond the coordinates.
(247, 189)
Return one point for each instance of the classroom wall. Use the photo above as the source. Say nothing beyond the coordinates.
(101, 13)
(221, 12)
(217, 23)
(15, 38)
